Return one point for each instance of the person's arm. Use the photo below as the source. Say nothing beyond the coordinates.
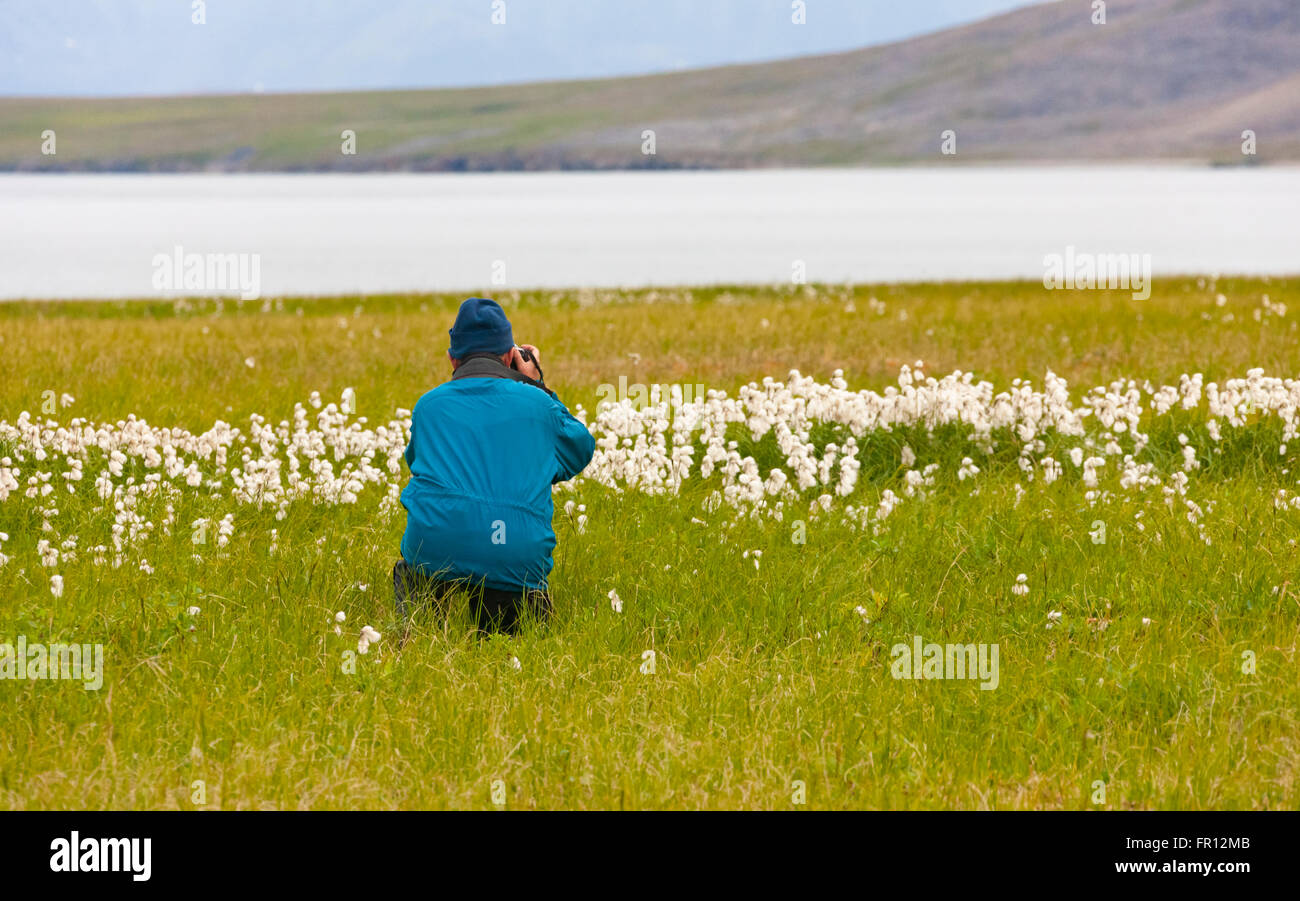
(410, 445)
(574, 445)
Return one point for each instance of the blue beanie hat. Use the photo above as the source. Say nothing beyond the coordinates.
(481, 327)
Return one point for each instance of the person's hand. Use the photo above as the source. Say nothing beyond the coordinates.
(527, 368)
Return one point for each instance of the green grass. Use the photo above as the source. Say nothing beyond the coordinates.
(763, 677)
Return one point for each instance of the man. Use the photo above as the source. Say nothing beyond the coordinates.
(485, 449)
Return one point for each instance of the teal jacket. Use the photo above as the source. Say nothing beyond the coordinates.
(485, 450)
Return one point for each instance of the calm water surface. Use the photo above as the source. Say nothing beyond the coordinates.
(98, 236)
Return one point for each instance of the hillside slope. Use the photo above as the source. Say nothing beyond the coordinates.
(1161, 80)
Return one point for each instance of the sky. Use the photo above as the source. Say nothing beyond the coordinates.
(143, 47)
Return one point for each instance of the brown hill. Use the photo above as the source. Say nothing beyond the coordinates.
(1160, 80)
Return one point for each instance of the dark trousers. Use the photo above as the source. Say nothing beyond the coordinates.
(494, 610)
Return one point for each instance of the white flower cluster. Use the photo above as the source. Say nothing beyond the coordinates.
(368, 637)
(329, 463)
(814, 431)
(660, 447)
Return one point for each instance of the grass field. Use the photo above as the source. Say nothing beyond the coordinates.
(1154, 668)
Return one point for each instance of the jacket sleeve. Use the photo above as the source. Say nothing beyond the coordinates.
(410, 445)
(574, 444)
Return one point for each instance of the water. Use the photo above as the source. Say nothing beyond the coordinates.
(98, 235)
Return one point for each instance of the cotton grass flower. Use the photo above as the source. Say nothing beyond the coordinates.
(615, 602)
(1021, 587)
(368, 637)
(56, 586)
(319, 457)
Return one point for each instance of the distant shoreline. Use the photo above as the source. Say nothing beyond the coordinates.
(911, 166)
(1252, 163)
(191, 305)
